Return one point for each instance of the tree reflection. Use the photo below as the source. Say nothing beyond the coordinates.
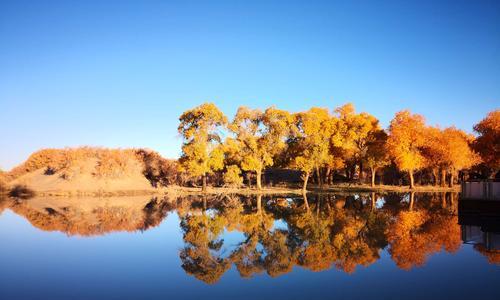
(276, 233)
(201, 256)
(418, 232)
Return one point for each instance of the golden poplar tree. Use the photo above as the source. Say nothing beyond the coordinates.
(261, 136)
(376, 155)
(487, 143)
(202, 153)
(406, 139)
(457, 154)
(358, 129)
(312, 142)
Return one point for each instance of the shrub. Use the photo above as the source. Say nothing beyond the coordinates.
(158, 170)
(232, 176)
(21, 192)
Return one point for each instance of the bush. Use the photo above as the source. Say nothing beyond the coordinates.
(158, 170)
(3, 182)
(232, 176)
(22, 192)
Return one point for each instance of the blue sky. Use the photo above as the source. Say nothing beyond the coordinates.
(119, 73)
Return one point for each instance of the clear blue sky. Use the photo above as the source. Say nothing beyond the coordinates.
(119, 73)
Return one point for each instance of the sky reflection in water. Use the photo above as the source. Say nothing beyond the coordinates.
(349, 246)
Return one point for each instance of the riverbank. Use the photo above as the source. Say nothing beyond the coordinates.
(284, 190)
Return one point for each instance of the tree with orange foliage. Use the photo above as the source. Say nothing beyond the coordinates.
(449, 150)
(433, 153)
(201, 151)
(487, 143)
(406, 139)
(458, 154)
(376, 156)
(359, 129)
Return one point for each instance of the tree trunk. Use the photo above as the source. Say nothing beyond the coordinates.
(443, 177)
(412, 200)
(306, 178)
(204, 183)
(434, 176)
(451, 179)
(374, 201)
(320, 180)
(361, 174)
(306, 203)
(373, 176)
(412, 182)
(327, 175)
(259, 178)
(259, 203)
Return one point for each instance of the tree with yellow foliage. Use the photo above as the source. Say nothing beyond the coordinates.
(487, 144)
(261, 136)
(202, 153)
(358, 131)
(311, 144)
(406, 138)
(232, 176)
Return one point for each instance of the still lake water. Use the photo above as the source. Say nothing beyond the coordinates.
(350, 246)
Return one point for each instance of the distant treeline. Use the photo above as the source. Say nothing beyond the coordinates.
(327, 146)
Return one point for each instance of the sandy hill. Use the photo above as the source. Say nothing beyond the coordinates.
(87, 170)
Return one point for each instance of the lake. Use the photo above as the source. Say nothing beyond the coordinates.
(346, 246)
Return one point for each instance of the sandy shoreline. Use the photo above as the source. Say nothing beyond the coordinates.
(178, 190)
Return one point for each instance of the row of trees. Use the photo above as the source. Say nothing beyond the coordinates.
(319, 142)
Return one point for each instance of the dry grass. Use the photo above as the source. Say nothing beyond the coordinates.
(94, 164)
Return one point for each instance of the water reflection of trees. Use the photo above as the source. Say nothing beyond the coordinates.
(322, 231)
(317, 232)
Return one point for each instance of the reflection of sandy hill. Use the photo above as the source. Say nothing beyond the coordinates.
(92, 216)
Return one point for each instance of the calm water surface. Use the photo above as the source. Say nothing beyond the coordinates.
(357, 246)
